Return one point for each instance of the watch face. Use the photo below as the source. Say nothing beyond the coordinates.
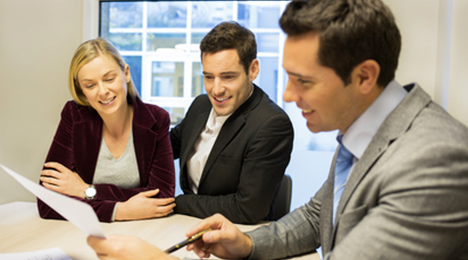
(90, 192)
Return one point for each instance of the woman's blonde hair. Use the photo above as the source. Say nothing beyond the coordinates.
(85, 53)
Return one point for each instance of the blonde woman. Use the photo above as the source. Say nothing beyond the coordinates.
(110, 150)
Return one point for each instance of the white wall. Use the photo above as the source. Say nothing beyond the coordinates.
(458, 91)
(434, 52)
(418, 23)
(37, 40)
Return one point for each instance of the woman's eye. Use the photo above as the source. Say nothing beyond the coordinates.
(110, 79)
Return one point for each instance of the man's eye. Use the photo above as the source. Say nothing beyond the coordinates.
(306, 83)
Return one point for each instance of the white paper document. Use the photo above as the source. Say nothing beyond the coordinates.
(47, 254)
(79, 213)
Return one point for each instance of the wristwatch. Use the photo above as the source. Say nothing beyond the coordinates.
(90, 192)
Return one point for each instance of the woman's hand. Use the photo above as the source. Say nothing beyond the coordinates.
(59, 178)
(143, 206)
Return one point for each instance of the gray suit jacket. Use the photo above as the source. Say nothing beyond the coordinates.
(407, 197)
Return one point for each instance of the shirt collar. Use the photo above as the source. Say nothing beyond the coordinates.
(215, 121)
(360, 133)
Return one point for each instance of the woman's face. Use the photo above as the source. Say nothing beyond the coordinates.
(104, 84)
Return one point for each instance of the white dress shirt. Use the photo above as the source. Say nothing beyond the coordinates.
(202, 148)
(360, 133)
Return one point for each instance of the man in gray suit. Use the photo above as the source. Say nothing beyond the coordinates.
(406, 195)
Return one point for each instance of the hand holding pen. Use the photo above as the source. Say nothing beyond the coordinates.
(187, 241)
(224, 240)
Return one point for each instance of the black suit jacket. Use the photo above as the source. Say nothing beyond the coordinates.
(246, 164)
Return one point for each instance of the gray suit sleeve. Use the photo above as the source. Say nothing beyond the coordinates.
(294, 234)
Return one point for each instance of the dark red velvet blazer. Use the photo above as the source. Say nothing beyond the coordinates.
(78, 139)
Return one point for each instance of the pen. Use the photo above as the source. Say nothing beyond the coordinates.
(187, 241)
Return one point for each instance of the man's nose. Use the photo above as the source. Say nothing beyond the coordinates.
(289, 95)
(218, 88)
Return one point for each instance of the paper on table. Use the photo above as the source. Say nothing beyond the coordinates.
(47, 254)
(79, 213)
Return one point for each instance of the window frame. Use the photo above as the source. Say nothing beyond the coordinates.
(93, 14)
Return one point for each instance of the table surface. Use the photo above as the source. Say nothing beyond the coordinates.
(22, 230)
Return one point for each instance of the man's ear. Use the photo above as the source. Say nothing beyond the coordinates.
(366, 75)
(254, 69)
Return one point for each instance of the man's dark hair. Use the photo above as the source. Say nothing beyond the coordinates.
(350, 32)
(231, 35)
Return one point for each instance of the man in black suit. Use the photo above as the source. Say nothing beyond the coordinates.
(234, 143)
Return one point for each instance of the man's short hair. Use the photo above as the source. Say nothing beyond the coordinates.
(350, 32)
(231, 35)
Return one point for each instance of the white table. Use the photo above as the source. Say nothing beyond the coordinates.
(22, 230)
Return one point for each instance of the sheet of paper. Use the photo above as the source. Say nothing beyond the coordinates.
(46, 254)
(79, 213)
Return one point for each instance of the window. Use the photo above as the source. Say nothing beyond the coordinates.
(160, 42)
